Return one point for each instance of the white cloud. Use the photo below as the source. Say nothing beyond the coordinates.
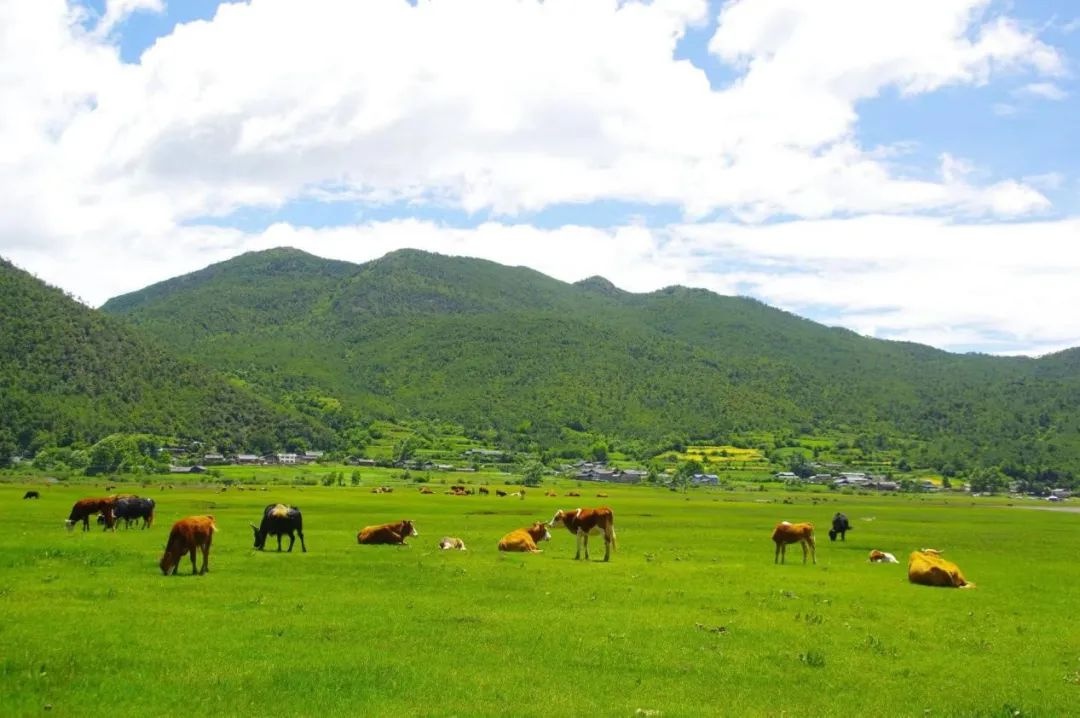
(480, 105)
(1043, 90)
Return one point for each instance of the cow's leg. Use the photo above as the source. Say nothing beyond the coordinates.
(585, 541)
(193, 571)
(205, 558)
(279, 543)
(577, 556)
(302, 545)
(776, 557)
(804, 551)
(292, 540)
(607, 547)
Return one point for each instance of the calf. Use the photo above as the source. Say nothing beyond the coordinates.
(31, 495)
(83, 509)
(395, 533)
(882, 557)
(279, 520)
(525, 539)
(787, 532)
(188, 535)
(448, 543)
(583, 522)
(133, 508)
(840, 527)
(928, 568)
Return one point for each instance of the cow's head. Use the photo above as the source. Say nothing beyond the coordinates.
(168, 562)
(260, 537)
(407, 528)
(539, 531)
(557, 519)
(69, 524)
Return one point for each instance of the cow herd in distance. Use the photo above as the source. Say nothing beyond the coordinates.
(194, 534)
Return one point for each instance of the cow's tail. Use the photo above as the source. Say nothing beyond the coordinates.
(213, 524)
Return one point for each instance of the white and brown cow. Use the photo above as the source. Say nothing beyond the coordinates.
(394, 533)
(525, 539)
(787, 532)
(582, 522)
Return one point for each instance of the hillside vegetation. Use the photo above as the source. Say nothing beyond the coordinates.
(526, 361)
(71, 376)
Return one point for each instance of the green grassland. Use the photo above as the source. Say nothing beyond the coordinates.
(691, 617)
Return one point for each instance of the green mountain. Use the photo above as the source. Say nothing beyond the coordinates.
(72, 375)
(519, 355)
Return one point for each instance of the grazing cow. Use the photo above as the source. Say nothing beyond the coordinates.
(582, 522)
(448, 543)
(279, 520)
(525, 539)
(840, 526)
(31, 495)
(483, 490)
(187, 536)
(85, 508)
(500, 492)
(882, 557)
(930, 569)
(787, 532)
(395, 533)
(133, 508)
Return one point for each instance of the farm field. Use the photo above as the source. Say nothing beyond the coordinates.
(691, 617)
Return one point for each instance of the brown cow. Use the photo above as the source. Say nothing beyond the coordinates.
(551, 493)
(582, 522)
(882, 557)
(426, 490)
(928, 568)
(394, 533)
(483, 490)
(787, 532)
(187, 535)
(525, 539)
(85, 508)
(572, 493)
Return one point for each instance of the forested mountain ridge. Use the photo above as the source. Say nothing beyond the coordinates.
(72, 375)
(533, 359)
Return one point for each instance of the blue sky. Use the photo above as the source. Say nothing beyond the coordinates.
(906, 170)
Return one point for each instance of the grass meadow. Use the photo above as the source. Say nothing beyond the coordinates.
(690, 618)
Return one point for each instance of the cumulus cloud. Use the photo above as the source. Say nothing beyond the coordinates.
(495, 108)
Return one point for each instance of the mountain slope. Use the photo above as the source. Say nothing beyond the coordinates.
(71, 374)
(510, 349)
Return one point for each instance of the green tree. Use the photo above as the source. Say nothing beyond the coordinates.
(533, 473)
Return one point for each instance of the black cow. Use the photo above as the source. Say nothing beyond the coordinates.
(133, 508)
(840, 526)
(31, 495)
(280, 519)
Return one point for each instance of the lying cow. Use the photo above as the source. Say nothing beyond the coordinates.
(395, 533)
(787, 532)
(187, 536)
(133, 508)
(882, 557)
(449, 543)
(525, 539)
(280, 520)
(840, 527)
(583, 522)
(83, 509)
(930, 569)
